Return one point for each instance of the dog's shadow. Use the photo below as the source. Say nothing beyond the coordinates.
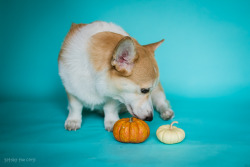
(86, 112)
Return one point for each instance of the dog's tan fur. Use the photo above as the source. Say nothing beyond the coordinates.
(101, 52)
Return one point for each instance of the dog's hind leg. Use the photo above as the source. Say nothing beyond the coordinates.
(74, 119)
(111, 112)
(161, 104)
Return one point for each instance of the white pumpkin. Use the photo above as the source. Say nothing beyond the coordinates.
(170, 134)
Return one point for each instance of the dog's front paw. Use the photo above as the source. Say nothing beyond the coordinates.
(73, 124)
(167, 114)
(109, 125)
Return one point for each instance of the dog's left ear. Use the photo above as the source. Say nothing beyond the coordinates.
(153, 46)
(124, 56)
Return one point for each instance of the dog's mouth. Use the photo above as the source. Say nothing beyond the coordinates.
(130, 109)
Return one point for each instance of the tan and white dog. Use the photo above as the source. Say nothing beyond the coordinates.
(103, 68)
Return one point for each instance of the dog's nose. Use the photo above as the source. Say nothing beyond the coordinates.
(149, 118)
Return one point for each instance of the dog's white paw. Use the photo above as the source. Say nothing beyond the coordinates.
(73, 124)
(167, 114)
(109, 125)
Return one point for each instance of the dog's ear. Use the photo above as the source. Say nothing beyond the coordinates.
(153, 46)
(124, 56)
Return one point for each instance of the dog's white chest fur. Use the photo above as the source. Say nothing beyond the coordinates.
(75, 68)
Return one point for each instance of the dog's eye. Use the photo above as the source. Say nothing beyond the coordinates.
(144, 90)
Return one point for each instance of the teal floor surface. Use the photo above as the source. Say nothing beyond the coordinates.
(33, 134)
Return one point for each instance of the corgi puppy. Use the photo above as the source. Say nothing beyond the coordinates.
(103, 68)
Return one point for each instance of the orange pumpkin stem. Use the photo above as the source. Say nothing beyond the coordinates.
(131, 119)
(172, 124)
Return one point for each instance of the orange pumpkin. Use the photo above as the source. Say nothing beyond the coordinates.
(131, 130)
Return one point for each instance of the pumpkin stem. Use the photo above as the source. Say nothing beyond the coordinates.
(131, 119)
(173, 123)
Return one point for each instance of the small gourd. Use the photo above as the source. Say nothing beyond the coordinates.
(131, 130)
(170, 134)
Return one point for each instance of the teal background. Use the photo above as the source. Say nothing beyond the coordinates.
(204, 69)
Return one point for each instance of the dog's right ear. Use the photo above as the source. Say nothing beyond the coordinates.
(124, 56)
